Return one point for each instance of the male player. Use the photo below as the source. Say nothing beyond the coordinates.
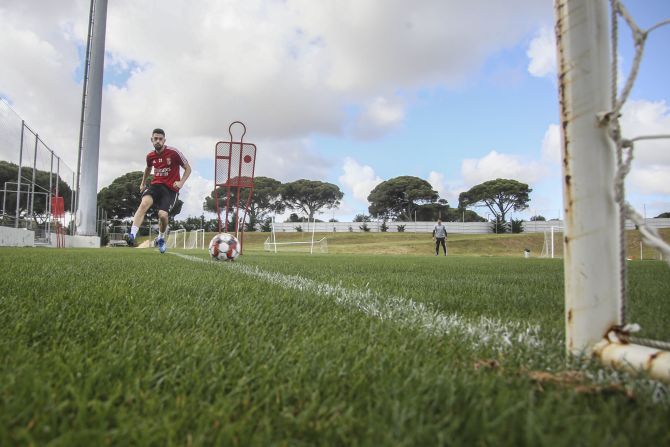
(164, 188)
(440, 237)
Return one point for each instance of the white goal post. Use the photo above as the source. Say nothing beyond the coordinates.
(310, 246)
(552, 239)
(177, 238)
(195, 239)
(593, 252)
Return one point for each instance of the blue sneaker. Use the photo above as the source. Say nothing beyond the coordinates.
(162, 246)
(130, 240)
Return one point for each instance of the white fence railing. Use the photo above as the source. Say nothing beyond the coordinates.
(427, 227)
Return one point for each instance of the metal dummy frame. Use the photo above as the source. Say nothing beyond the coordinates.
(228, 153)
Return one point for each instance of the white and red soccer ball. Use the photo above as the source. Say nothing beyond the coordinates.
(224, 247)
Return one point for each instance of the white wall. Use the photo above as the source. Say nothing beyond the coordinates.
(77, 241)
(20, 237)
(427, 227)
(16, 237)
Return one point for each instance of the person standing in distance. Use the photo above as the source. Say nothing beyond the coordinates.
(440, 237)
(164, 188)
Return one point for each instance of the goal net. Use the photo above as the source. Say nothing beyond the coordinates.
(177, 238)
(596, 159)
(320, 246)
(297, 244)
(553, 243)
(195, 239)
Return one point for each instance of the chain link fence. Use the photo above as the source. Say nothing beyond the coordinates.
(31, 176)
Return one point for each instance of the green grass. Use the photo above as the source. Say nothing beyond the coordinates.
(129, 347)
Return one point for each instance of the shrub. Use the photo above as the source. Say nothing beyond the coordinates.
(401, 228)
(266, 225)
(500, 226)
(517, 225)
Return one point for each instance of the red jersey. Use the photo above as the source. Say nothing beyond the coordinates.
(166, 166)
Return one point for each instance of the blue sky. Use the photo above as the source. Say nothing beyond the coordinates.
(352, 92)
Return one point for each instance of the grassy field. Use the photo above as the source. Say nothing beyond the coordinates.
(421, 244)
(359, 346)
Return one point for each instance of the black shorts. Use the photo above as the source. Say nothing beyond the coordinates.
(164, 197)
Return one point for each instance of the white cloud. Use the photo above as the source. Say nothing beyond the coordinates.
(551, 144)
(446, 189)
(640, 118)
(290, 160)
(287, 69)
(195, 190)
(436, 181)
(650, 169)
(378, 45)
(650, 180)
(360, 179)
(496, 165)
(542, 53)
(380, 116)
(651, 163)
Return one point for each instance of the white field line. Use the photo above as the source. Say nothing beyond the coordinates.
(404, 311)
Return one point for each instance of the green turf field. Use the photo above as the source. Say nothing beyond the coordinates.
(122, 346)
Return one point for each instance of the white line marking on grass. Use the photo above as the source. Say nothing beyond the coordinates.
(404, 311)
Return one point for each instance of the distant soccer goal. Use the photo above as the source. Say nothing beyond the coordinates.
(177, 238)
(311, 246)
(553, 243)
(320, 246)
(195, 239)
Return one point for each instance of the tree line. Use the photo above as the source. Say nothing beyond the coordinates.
(404, 198)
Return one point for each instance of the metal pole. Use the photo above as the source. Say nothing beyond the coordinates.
(49, 196)
(274, 236)
(552, 242)
(591, 248)
(92, 117)
(311, 247)
(18, 179)
(83, 100)
(73, 225)
(32, 187)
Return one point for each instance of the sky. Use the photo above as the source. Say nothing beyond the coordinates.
(351, 92)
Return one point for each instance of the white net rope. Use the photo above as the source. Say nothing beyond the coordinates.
(624, 155)
(176, 238)
(195, 239)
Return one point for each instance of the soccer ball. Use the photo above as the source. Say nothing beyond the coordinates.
(224, 247)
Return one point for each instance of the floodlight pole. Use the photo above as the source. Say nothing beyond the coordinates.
(87, 192)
